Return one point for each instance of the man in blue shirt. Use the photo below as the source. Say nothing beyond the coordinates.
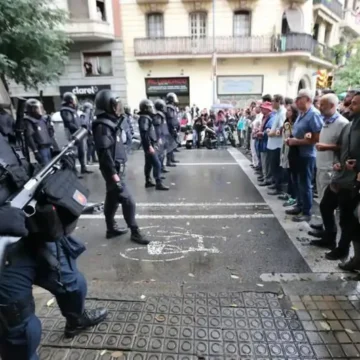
(306, 133)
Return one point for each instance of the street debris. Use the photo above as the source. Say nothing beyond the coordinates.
(191, 275)
(349, 331)
(234, 276)
(294, 308)
(260, 285)
(249, 231)
(160, 318)
(325, 325)
(142, 297)
(103, 352)
(117, 354)
(50, 302)
(262, 233)
(280, 296)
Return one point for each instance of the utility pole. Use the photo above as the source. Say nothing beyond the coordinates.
(214, 60)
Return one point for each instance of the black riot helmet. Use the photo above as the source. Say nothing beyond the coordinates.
(160, 105)
(171, 98)
(127, 110)
(146, 106)
(34, 108)
(106, 102)
(70, 99)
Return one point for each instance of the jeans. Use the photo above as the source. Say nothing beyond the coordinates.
(305, 175)
(45, 154)
(153, 163)
(239, 134)
(196, 138)
(276, 169)
(16, 282)
(266, 166)
(323, 178)
(221, 133)
(91, 153)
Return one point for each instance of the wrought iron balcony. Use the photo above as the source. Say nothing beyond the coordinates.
(147, 48)
(333, 5)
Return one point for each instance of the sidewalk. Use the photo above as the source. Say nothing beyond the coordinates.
(199, 325)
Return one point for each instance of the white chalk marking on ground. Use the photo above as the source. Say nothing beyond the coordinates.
(186, 216)
(169, 249)
(311, 254)
(217, 204)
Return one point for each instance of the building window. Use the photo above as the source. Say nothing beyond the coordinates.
(97, 64)
(155, 25)
(100, 10)
(198, 24)
(242, 23)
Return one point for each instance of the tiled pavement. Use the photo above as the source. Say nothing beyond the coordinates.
(212, 326)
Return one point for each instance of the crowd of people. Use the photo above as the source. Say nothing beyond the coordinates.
(309, 147)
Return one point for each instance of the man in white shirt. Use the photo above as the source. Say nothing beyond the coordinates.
(255, 128)
(275, 143)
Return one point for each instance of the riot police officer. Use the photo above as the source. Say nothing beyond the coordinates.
(37, 131)
(47, 262)
(112, 159)
(161, 128)
(7, 125)
(151, 143)
(72, 123)
(173, 125)
(128, 127)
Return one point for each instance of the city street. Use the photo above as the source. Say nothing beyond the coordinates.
(226, 276)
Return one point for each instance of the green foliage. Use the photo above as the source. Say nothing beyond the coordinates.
(33, 46)
(348, 75)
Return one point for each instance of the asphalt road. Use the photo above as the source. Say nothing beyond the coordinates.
(212, 227)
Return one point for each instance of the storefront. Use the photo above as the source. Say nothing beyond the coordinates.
(240, 91)
(84, 93)
(160, 87)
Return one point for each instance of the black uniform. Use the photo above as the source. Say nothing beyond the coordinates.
(173, 125)
(7, 125)
(112, 160)
(152, 143)
(72, 123)
(41, 257)
(38, 138)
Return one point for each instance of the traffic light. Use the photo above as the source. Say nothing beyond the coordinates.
(322, 79)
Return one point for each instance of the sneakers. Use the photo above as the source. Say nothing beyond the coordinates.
(351, 265)
(284, 197)
(290, 202)
(88, 319)
(138, 237)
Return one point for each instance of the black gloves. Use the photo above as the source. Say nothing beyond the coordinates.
(12, 222)
(119, 187)
(69, 161)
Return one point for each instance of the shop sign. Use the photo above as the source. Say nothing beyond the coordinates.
(161, 86)
(83, 90)
(240, 85)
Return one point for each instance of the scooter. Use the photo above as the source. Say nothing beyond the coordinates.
(230, 135)
(210, 141)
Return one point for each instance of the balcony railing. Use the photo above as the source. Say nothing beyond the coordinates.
(333, 5)
(175, 46)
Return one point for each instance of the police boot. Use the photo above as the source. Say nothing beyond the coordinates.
(115, 230)
(138, 237)
(164, 170)
(149, 183)
(88, 319)
(169, 164)
(161, 186)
